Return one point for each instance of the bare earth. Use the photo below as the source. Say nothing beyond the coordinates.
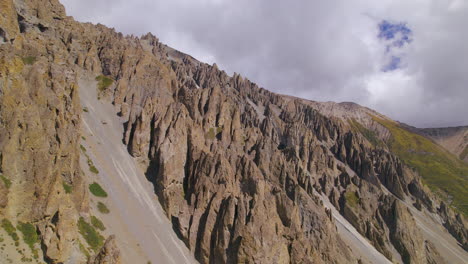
(357, 243)
(143, 231)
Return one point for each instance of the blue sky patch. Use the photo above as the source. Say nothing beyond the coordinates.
(388, 30)
(395, 63)
(395, 35)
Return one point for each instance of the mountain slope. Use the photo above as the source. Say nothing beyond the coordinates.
(454, 139)
(39, 123)
(442, 171)
(142, 230)
(243, 174)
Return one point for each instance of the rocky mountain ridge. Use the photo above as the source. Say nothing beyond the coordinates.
(240, 172)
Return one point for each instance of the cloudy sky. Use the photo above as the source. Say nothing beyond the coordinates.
(407, 59)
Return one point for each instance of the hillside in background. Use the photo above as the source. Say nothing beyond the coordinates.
(454, 139)
(441, 170)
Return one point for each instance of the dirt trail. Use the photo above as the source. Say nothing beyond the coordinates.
(142, 229)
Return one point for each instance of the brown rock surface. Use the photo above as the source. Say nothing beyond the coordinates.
(39, 123)
(109, 253)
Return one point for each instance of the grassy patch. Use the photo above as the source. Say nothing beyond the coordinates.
(93, 169)
(91, 166)
(10, 229)
(97, 190)
(444, 173)
(30, 236)
(210, 134)
(6, 181)
(97, 223)
(67, 188)
(103, 82)
(370, 135)
(213, 132)
(84, 250)
(352, 199)
(103, 208)
(29, 60)
(89, 233)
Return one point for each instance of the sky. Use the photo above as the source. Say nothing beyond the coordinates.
(405, 59)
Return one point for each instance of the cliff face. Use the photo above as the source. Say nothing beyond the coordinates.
(39, 124)
(235, 166)
(241, 172)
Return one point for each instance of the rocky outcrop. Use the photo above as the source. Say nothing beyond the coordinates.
(109, 253)
(39, 127)
(404, 234)
(210, 156)
(39, 124)
(455, 224)
(222, 152)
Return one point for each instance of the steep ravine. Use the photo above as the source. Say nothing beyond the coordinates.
(241, 173)
(142, 230)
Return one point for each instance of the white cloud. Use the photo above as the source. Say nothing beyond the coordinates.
(320, 50)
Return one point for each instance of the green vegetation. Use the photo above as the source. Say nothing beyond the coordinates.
(67, 188)
(352, 199)
(213, 132)
(6, 181)
(84, 250)
(210, 134)
(83, 137)
(444, 173)
(10, 229)
(93, 169)
(103, 208)
(104, 82)
(85, 109)
(24, 258)
(370, 135)
(97, 223)
(29, 60)
(464, 153)
(89, 233)
(91, 166)
(97, 190)
(30, 236)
